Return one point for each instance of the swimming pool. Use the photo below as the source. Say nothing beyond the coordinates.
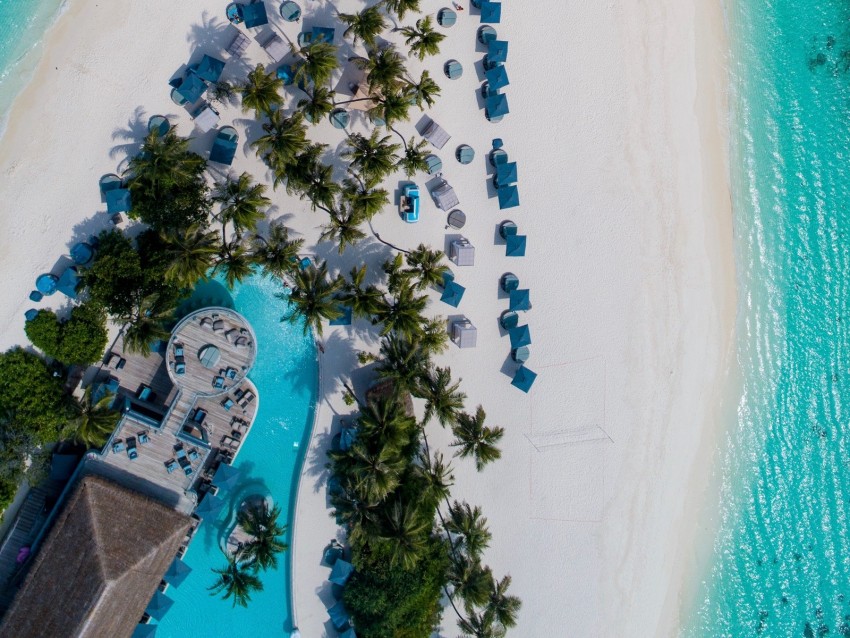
(286, 376)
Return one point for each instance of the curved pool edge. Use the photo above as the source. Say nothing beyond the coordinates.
(293, 602)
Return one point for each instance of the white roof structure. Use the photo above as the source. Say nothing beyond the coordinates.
(445, 197)
(436, 134)
(462, 253)
(275, 47)
(206, 118)
(464, 334)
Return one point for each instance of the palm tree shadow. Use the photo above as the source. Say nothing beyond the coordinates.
(208, 37)
(133, 132)
(339, 357)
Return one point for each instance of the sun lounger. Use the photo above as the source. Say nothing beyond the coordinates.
(143, 438)
(275, 47)
(436, 134)
(132, 452)
(193, 454)
(218, 325)
(199, 416)
(145, 393)
(227, 404)
(218, 382)
(178, 350)
(230, 373)
(180, 368)
(232, 335)
(170, 465)
(180, 453)
(187, 470)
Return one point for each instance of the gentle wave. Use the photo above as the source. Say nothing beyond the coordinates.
(781, 559)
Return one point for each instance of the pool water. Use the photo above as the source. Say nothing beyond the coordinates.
(286, 376)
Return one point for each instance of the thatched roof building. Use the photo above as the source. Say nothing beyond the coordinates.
(99, 566)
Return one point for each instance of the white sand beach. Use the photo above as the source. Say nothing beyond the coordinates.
(618, 124)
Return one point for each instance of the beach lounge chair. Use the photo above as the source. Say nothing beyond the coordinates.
(224, 147)
(275, 47)
(118, 446)
(241, 342)
(238, 45)
(435, 134)
(132, 452)
(206, 322)
(170, 465)
(444, 196)
(227, 404)
(218, 325)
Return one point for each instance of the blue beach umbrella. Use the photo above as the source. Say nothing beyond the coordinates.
(323, 34)
(515, 246)
(520, 299)
(144, 631)
(491, 12)
(210, 68)
(341, 572)
(348, 634)
(177, 572)
(520, 336)
(452, 293)
(159, 605)
(497, 51)
(254, 14)
(31, 314)
(524, 379)
(67, 283)
(497, 77)
(209, 507)
(192, 87)
(118, 201)
(506, 174)
(345, 318)
(339, 615)
(226, 476)
(497, 105)
(508, 196)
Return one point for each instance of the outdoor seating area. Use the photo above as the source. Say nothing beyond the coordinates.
(495, 74)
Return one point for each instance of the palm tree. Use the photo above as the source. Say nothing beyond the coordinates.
(237, 582)
(261, 92)
(313, 179)
(164, 161)
(314, 297)
(364, 200)
(235, 262)
(374, 474)
(422, 39)
(318, 104)
(362, 299)
(438, 477)
(471, 581)
(384, 68)
(433, 337)
(374, 156)
(147, 324)
(413, 161)
(276, 254)
(299, 173)
(476, 439)
(190, 254)
(285, 139)
(404, 361)
(393, 107)
(426, 91)
(468, 528)
(401, 7)
(366, 25)
(343, 228)
(426, 267)
(261, 523)
(320, 62)
(405, 529)
(402, 313)
(480, 626)
(443, 399)
(384, 423)
(242, 204)
(93, 421)
(501, 606)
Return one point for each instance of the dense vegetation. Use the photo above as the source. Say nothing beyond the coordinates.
(81, 339)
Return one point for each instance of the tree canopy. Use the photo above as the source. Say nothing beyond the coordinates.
(81, 339)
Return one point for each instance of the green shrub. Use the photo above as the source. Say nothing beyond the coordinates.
(43, 331)
(81, 339)
(30, 396)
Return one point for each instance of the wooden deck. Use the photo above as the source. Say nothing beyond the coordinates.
(169, 415)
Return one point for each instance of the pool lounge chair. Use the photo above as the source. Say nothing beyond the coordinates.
(227, 404)
(118, 446)
(180, 368)
(199, 416)
(170, 465)
(218, 383)
(230, 373)
(187, 469)
(193, 454)
(132, 452)
(145, 393)
(143, 438)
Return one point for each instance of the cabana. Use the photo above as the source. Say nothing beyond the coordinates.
(254, 14)
(290, 11)
(275, 47)
(118, 200)
(497, 78)
(206, 117)
(496, 106)
(520, 299)
(464, 334)
(177, 573)
(444, 196)
(224, 147)
(508, 196)
(341, 572)
(524, 379)
(462, 253)
(520, 336)
(159, 606)
(349, 633)
(515, 246)
(209, 68)
(497, 50)
(435, 134)
(491, 12)
(452, 293)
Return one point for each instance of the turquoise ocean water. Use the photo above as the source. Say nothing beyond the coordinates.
(286, 376)
(781, 560)
(23, 24)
